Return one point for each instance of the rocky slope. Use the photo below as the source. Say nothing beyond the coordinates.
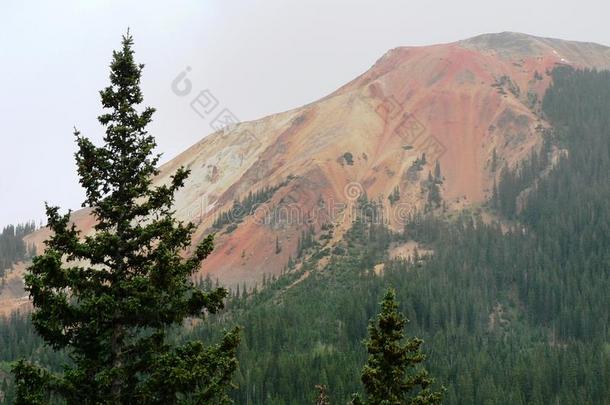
(459, 104)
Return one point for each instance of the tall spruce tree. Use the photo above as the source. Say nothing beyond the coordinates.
(438, 177)
(393, 374)
(109, 299)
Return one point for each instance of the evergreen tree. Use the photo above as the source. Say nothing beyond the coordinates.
(12, 246)
(434, 196)
(394, 196)
(109, 299)
(494, 161)
(393, 375)
(494, 196)
(438, 177)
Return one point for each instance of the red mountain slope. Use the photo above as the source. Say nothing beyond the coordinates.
(456, 103)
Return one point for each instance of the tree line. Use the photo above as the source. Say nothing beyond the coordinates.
(12, 246)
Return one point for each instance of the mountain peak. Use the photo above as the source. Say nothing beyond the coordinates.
(515, 45)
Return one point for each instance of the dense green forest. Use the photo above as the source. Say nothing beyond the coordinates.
(12, 247)
(509, 316)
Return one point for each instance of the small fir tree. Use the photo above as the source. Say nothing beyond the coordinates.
(438, 177)
(393, 374)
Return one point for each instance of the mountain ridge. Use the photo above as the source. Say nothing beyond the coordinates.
(461, 103)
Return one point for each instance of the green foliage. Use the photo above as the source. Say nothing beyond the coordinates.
(35, 386)
(348, 158)
(514, 315)
(494, 161)
(438, 177)
(532, 100)
(109, 299)
(514, 182)
(393, 374)
(504, 83)
(431, 185)
(243, 208)
(306, 241)
(509, 316)
(419, 163)
(12, 247)
(394, 196)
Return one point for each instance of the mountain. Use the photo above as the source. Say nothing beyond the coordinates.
(472, 106)
(509, 294)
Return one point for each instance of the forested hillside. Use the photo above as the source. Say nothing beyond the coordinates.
(509, 317)
(12, 247)
(511, 314)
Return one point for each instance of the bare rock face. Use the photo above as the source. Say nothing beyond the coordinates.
(454, 103)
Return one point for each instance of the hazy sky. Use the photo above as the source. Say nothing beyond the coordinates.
(257, 57)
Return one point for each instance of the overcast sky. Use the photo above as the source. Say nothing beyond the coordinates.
(256, 57)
